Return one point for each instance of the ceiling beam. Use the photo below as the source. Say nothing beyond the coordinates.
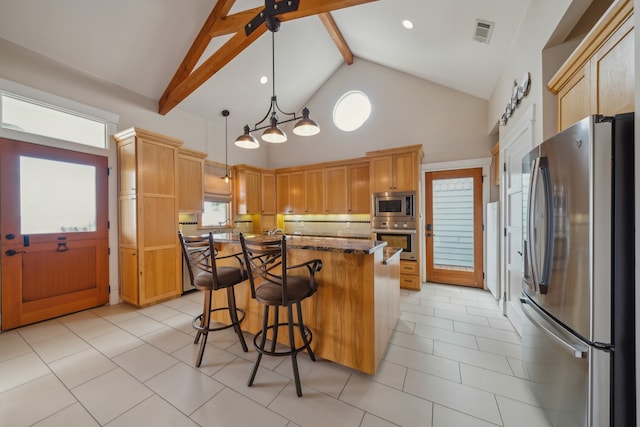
(185, 81)
(336, 36)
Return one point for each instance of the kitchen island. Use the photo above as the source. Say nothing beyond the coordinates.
(354, 311)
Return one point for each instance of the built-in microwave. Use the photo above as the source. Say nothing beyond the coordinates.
(394, 205)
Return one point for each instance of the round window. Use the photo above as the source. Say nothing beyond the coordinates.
(351, 111)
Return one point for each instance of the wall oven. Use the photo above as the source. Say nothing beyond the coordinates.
(399, 234)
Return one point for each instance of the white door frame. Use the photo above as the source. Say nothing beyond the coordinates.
(524, 124)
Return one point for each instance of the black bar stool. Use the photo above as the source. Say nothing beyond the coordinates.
(273, 286)
(200, 255)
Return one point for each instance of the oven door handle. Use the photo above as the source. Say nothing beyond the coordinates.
(393, 231)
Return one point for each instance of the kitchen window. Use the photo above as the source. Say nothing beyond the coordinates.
(216, 212)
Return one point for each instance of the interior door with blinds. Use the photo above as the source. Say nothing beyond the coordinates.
(453, 206)
(54, 232)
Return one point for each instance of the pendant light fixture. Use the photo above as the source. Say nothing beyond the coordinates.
(273, 133)
(226, 176)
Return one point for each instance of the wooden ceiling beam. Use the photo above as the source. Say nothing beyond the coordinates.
(336, 36)
(185, 81)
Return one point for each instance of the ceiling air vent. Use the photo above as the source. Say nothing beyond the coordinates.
(482, 32)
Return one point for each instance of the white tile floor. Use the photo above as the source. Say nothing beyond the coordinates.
(453, 361)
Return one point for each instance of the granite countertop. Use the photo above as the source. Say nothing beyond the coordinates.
(329, 244)
(389, 253)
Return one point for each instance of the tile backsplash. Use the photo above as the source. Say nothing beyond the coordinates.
(355, 226)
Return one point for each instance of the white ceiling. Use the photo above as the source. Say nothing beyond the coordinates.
(138, 45)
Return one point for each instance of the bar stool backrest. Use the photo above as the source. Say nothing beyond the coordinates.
(265, 260)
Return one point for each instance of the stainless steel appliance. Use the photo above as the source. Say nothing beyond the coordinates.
(578, 286)
(394, 205)
(397, 233)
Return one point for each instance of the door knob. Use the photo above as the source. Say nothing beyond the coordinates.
(12, 252)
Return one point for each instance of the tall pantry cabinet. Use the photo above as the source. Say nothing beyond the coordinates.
(149, 252)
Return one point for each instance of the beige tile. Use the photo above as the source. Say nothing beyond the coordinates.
(322, 375)
(473, 357)
(111, 394)
(405, 326)
(370, 420)
(424, 362)
(33, 401)
(500, 384)
(500, 347)
(81, 367)
(42, 331)
(486, 312)
(145, 361)
(446, 417)
(518, 414)
(115, 343)
(487, 332)
(388, 373)
(184, 387)
(181, 322)
(21, 370)
(414, 342)
(74, 415)
(153, 412)
(518, 368)
(87, 324)
(59, 346)
(445, 335)
(140, 325)
(116, 313)
(213, 359)
(168, 339)
(469, 400)
(266, 385)
(158, 312)
(387, 403)
(461, 316)
(12, 345)
(315, 409)
(426, 320)
(503, 323)
(230, 408)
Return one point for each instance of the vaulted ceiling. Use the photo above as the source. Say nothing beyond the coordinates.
(195, 55)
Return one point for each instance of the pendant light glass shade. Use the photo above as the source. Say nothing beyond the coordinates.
(306, 126)
(273, 133)
(246, 140)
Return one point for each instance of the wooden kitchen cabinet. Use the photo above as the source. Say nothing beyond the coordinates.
(395, 169)
(247, 190)
(290, 190)
(336, 190)
(358, 189)
(599, 76)
(314, 191)
(190, 180)
(149, 252)
(409, 275)
(268, 193)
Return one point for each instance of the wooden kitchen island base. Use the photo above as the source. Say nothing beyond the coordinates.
(354, 311)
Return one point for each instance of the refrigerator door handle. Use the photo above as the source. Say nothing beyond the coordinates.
(578, 351)
(533, 262)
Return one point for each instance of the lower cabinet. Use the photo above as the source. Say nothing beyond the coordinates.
(409, 275)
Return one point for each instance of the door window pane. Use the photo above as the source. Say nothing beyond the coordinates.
(56, 197)
(453, 224)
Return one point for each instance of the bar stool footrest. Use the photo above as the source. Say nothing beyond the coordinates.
(200, 328)
(307, 333)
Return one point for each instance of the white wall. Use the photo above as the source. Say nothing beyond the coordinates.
(406, 110)
(31, 69)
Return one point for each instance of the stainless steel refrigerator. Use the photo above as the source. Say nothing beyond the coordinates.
(578, 289)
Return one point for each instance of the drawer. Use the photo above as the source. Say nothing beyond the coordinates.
(409, 282)
(408, 267)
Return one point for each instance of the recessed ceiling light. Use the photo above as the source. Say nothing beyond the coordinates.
(407, 24)
(264, 80)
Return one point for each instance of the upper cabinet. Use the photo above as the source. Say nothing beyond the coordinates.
(396, 169)
(290, 189)
(599, 77)
(247, 190)
(267, 193)
(335, 190)
(358, 188)
(190, 180)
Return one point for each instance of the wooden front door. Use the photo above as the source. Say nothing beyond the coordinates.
(53, 232)
(453, 206)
